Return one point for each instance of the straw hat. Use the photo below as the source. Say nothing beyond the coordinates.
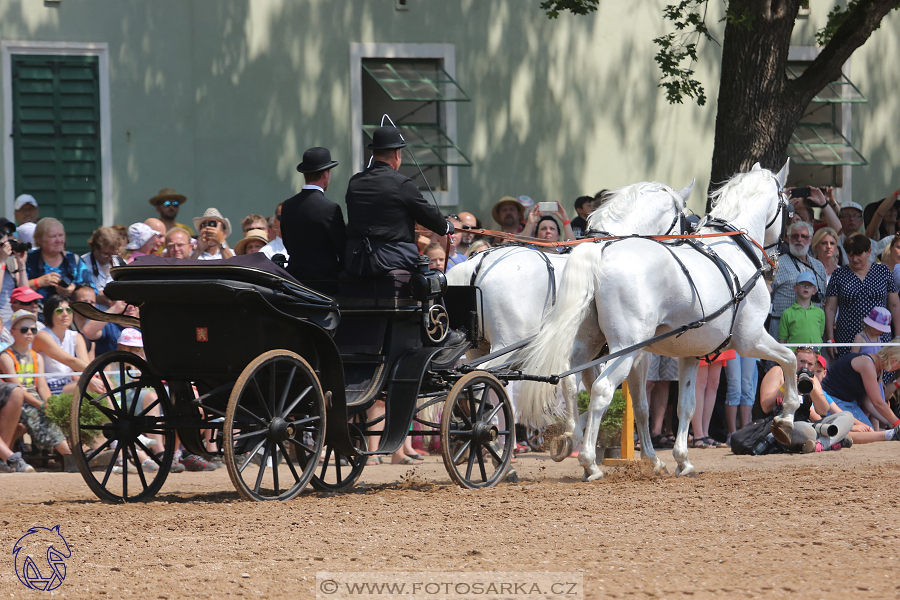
(495, 212)
(167, 194)
(212, 213)
(252, 234)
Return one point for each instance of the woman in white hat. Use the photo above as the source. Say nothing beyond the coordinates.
(142, 241)
(214, 230)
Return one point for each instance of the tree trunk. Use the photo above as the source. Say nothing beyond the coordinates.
(757, 111)
(758, 107)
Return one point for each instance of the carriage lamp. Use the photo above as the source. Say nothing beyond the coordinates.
(426, 284)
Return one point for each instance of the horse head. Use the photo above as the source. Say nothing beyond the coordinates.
(754, 201)
(646, 208)
(36, 543)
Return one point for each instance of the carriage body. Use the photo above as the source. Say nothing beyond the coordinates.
(246, 353)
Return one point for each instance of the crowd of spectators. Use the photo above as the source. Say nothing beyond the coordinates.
(833, 283)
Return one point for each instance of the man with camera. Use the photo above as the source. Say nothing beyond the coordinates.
(12, 262)
(795, 262)
(814, 429)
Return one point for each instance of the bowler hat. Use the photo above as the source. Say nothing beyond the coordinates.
(315, 160)
(386, 138)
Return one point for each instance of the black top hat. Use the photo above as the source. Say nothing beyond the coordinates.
(315, 160)
(7, 225)
(386, 138)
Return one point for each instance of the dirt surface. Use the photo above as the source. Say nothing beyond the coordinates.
(814, 526)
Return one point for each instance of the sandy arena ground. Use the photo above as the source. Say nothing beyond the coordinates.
(813, 526)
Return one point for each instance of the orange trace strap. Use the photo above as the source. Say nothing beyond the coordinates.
(512, 237)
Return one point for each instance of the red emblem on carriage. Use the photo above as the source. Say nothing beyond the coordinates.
(202, 334)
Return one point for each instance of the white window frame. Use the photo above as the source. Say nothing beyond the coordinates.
(101, 51)
(809, 54)
(444, 52)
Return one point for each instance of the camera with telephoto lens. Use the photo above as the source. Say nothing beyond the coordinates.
(804, 381)
(18, 246)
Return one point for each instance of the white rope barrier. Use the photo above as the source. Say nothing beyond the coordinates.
(839, 345)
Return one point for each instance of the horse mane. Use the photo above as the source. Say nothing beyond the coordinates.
(619, 203)
(732, 197)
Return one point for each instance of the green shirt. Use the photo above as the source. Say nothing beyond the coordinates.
(802, 325)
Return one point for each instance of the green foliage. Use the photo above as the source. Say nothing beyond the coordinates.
(611, 425)
(59, 410)
(678, 50)
(577, 7)
(836, 18)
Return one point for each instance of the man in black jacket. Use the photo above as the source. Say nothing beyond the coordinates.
(383, 207)
(312, 226)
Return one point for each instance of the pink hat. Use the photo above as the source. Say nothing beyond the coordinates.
(822, 362)
(131, 337)
(879, 318)
(24, 294)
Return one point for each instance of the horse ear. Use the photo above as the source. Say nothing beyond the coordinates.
(783, 173)
(685, 193)
(756, 167)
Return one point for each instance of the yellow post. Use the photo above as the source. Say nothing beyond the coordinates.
(627, 433)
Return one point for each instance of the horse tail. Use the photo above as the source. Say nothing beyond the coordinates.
(550, 351)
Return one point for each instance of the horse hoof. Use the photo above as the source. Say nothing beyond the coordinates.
(512, 477)
(592, 474)
(561, 448)
(782, 429)
(686, 471)
(659, 467)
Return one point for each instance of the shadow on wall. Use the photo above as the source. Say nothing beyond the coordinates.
(221, 99)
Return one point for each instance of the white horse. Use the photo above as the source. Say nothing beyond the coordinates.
(519, 283)
(636, 289)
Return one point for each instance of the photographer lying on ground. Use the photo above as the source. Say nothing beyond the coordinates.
(812, 432)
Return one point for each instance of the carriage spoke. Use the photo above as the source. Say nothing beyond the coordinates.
(493, 413)
(250, 434)
(244, 409)
(89, 457)
(466, 445)
(110, 392)
(483, 402)
(138, 466)
(250, 456)
(122, 386)
(144, 448)
(262, 399)
(300, 444)
(287, 388)
(328, 451)
(112, 463)
(262, 469)
(490, 448)
(275, 470)
(470, 394)
(471, 462)
(296, 402)
(289, 462)
(480, 457)
(153, 405)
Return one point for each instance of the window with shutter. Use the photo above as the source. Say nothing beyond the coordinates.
(56, 139)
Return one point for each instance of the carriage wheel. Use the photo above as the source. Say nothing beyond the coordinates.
(112, 420)
(276, 406)
(477, 431)
(337, 472)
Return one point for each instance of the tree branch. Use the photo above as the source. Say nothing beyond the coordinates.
(858, 25)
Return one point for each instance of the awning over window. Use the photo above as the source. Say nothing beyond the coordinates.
(429, 144)
(840, 91)
(822, 144)
(415, 81)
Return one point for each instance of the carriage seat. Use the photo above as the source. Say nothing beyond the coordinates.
(381, 291)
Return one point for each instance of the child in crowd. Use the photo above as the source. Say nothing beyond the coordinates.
(436, 254)
(802, 323)
(20, 358)
(878, 322)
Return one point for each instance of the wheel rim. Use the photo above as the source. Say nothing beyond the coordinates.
(477, 431)
(275, 418)
(337, 472)
(126, 413)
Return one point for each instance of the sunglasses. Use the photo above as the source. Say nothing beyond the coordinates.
(25, 330)
(210, 223)
(60, 310)
(807, 349)
(174, 203)
(30, 303)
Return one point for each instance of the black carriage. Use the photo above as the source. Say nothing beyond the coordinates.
(246, 363)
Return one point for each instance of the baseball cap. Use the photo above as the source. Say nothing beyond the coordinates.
(20, 315)
(806, 277)
(24, 294)
(851, 204)
(23, 199)
(138, 235)
(131, 337)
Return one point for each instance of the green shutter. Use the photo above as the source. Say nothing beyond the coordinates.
(56, 140)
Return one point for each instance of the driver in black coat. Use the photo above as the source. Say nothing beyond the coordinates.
(383, 207)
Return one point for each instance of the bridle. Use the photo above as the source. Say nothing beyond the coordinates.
(784, 205)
